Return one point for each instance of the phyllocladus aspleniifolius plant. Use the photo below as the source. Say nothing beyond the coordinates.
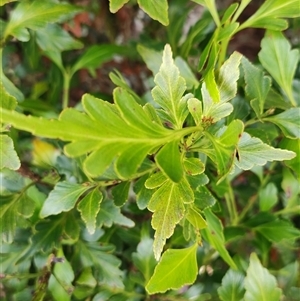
(187, 192)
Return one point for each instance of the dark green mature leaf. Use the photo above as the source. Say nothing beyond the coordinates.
(232, 288)
(259, 283)
(175, 269)
(36, 15)
(96, 55)
(54, 38)
(115, 5)
(120, 193)
(89, 207)
(14, 209)
(144, 259)
(224, 147)
(268, 197)
(257, 86)
(169, 89)
(110, 214)
(156, 9)
(62, 198)
(292, 145)
(167, 203)
(278, 230)
(271, 13)
(105, 265)
(279, 60)
(9, 91)
(214, 234)
(288, 121)
(252, 151)
(9, 157)
(143, 194)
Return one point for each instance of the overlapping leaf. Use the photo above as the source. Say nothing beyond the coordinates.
(288, 121)
(175, 269)
(157, 10)
(167, 203)
(257, 86)
(252, 151)
(279, 60)
(105, 265)
(169, 89)
(35, 15)
(62, 198)
(214, 234)
(271, 13)
(232, 286)
(8, 156)
(89, 207)
(123, 132)
(259, 283)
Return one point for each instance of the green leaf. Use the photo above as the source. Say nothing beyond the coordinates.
(292, 145)
(8, 156)
(195, 108)
(151, 57)
(89, 207)
(7, 101)
(120, 193)
(54, 38)
(143, 194)
(193, 166)
(62, 198)
(270, 14)
(259, 283)
(288, 121)
(186, 73)
(36, 15)
(224, 147)
(232, 288)
(279, 60)
(3, 2)
(156, 9)
(105, 266)
(169, 161)
(9, 91)
(227, 77)
(110, 214)
(214, 235)
(167, 203)
(115, 5)
(195, 218)
(252, 151)
(278, 230)
(175, 269)
(122, 132)
(257, 86)
(64, 273)
(143, 259)
(169, 89)
(95, 56)
(268, 197)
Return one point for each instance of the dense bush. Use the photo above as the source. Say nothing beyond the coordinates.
(182, 182)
